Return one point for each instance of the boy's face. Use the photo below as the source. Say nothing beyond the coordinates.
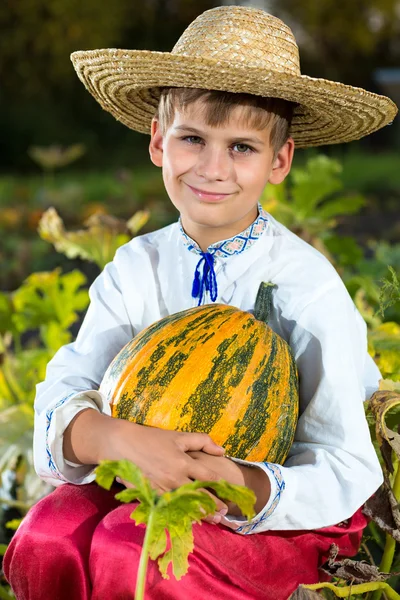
(233, 161)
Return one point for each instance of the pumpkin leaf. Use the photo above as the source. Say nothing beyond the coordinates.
(178, 555)
(242, 496)
(109, 469)
(173, 512)
(380, 403)
(49, 296)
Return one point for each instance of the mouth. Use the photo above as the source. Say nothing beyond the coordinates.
(207, 195)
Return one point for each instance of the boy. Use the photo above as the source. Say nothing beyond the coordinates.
(217, 150)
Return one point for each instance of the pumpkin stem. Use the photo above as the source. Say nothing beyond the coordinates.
(263, 305)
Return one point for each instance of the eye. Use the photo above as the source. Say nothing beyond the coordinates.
(246, 147)
(188, 138)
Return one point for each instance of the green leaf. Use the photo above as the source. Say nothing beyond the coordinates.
(141, 512)
(345, 249)
(314, 183)
(49, 296)
(390, 291)
(54, 335)
(346, 205)
(240, 495)
(384, 346)
(109, 469)
(181, 546)
(173, 511)
(186, 504)
(6, 312)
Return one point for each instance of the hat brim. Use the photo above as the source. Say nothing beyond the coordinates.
(126, 83)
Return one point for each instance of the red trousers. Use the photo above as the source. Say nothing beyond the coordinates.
(79, 543)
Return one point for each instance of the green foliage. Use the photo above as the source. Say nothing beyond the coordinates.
(390, 292)
(173, 512)
(310, 202)
(98, 242)
(45, 307)
(46, 299)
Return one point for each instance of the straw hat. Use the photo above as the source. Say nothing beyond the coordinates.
(236, 49)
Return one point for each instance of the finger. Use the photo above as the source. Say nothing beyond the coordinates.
(127, 484)
(198, 471)
(221, 507)
(220, 511)
(200, 441)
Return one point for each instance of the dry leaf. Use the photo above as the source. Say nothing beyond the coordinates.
(303, 594)
(383, 508)
(356, 571)
(380, 403)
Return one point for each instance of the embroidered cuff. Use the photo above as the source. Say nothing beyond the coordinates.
(273, 471)
(58, 417)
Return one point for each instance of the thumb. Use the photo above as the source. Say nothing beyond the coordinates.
(201, 441)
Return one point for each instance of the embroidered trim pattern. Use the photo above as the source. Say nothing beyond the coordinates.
(280, 486)
(234, 245)
(49, 416)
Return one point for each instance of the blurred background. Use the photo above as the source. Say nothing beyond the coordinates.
(75, 184)
(59, 148)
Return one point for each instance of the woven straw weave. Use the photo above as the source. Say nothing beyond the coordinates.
(236, 49)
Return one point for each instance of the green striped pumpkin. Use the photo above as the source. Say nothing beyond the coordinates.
(214, 369)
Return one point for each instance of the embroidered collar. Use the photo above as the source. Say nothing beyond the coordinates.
(234, 245)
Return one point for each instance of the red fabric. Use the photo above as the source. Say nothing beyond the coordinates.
(79, 543)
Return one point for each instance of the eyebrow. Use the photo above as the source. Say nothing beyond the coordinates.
(252, 140)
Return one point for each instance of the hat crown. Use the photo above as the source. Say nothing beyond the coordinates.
(241, 35)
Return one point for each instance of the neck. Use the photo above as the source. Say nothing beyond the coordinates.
(205, 235)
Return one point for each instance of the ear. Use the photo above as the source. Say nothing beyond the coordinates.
(282, 163)
(156, 143)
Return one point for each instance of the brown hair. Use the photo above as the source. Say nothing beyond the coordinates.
(219, 105)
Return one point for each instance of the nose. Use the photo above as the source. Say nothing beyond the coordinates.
(213, 164)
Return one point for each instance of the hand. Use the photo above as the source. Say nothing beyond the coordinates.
(162, 455)
(251, 477)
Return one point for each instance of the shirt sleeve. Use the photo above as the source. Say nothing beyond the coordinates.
(73, 377)
(332, 467)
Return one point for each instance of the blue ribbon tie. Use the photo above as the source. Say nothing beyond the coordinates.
(207, 279)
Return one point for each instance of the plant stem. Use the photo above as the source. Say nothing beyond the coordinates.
(375, 534)
(390, 546)
(144, 559)
(263, 303)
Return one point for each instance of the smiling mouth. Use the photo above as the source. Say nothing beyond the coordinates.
(207, 195)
